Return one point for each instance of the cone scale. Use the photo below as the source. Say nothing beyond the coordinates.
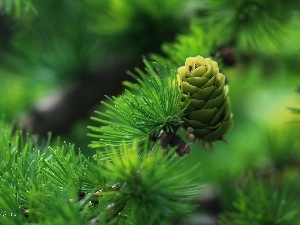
(208, 116)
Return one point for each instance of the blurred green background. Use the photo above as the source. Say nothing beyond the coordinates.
(59, 58)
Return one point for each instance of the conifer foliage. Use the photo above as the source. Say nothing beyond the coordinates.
(143, 141)
(135, 178)
(45, 185)
(147, 107)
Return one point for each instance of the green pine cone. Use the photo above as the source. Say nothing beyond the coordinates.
(208, 116)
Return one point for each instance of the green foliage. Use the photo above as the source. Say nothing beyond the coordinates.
(216, 35)
(149, 183)
(195, 42)
(40, 184)
(254, 24)
(34, 181)
(261, 202)
(147, 107)
(135, 182)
